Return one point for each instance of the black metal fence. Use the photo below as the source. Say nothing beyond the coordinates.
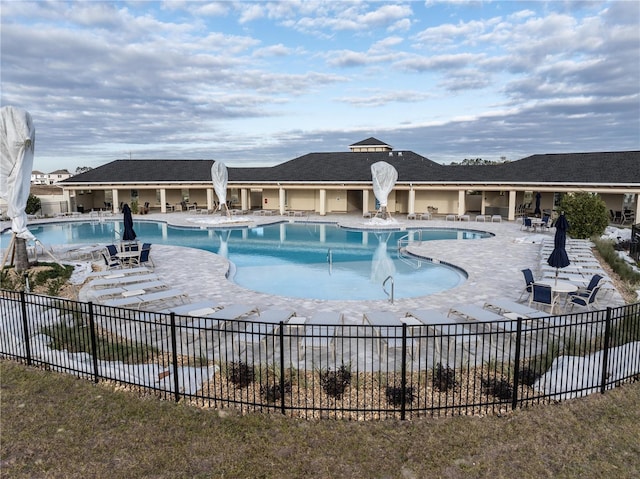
(353, 371)
(634, 245)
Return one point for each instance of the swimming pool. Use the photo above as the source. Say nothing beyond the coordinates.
(300, 260)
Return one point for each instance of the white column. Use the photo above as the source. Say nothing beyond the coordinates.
(245, 199)
(462, 206)
(282, 197)
(323, 202)
(412, 201)
(512, 205)
(116, 200)
(365, 201)
(163, 200)
(209, 198)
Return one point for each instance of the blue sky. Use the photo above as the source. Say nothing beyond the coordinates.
(260, 83)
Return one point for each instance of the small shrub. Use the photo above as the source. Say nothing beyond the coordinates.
(394, 395)
(272, 392)
(241, 374)
(335, 382)
(444, 378)
(528, 376)
(500, 388)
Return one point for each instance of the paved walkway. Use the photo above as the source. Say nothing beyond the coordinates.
(493, 265)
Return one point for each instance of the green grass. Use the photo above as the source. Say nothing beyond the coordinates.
(58, 426)
(77, 338)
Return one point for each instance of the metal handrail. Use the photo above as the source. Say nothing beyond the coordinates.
(384, 283)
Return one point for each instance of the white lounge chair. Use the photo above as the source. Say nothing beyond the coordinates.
(388, 332)
(201, 308)
(260, 326)
(444, 329)
(121, 279)
(319, 332)
(512, 309)
(147, 298)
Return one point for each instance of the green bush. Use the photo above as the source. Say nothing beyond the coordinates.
(33, 205)
(586, 213)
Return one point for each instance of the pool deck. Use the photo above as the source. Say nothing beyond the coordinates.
(493, 265)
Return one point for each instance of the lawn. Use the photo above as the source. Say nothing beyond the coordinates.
(54, 425)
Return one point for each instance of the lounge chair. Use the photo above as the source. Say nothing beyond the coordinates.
(259, 327)
(122, 279)
(445, 330)
(319, 332)
(147, 298)
(388, 333)
(201, 308)
(512, 309)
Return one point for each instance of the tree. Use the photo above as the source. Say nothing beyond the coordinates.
(586, 214)
(82, 169)
(33, 205)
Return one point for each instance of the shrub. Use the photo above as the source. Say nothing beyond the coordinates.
(586, 213)
(394, 395)
(273, 393)
(500, 388)
(33, 205)
(444, 378)
(241, 374)
(335, 382)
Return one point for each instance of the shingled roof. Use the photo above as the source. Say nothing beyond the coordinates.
(584, 168)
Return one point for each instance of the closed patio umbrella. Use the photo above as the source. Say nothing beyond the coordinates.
(558, 257)
(537, 210)
(128, 234)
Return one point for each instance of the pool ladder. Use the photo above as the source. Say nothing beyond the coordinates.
(384, 288)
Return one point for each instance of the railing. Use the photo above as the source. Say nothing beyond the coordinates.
(634, 246)
(353, 371)
(390, 294)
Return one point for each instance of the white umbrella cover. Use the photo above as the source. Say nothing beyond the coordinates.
(219, 176)
(18, 143)
(384, 178)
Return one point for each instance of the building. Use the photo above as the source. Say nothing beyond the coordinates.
(341, 182)
(40, 178)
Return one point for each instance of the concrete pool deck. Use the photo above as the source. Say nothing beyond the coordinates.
(493, 265)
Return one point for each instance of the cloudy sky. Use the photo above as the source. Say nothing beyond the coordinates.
(259, 83)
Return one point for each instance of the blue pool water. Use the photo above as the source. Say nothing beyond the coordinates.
(302, 260)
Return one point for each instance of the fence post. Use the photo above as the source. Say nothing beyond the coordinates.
(281, 385)
(516, 366)
(25, 327)
(174, 356)
(94, 343)
(605, 351)
(403, 386)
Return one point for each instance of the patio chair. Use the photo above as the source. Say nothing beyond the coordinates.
(583, 301)
(528, 279)
(387, 331)
(542, 295)
(144, 259)
(586, 290)
(111, 262)
(526, 224)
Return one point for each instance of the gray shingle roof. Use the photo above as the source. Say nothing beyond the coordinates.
(586, 168)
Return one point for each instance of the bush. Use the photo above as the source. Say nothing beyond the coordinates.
(241, 374)
(586, 213)
(335, 382)
(500, 388)
(33, 205)
(394, 395)
(444, 378)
